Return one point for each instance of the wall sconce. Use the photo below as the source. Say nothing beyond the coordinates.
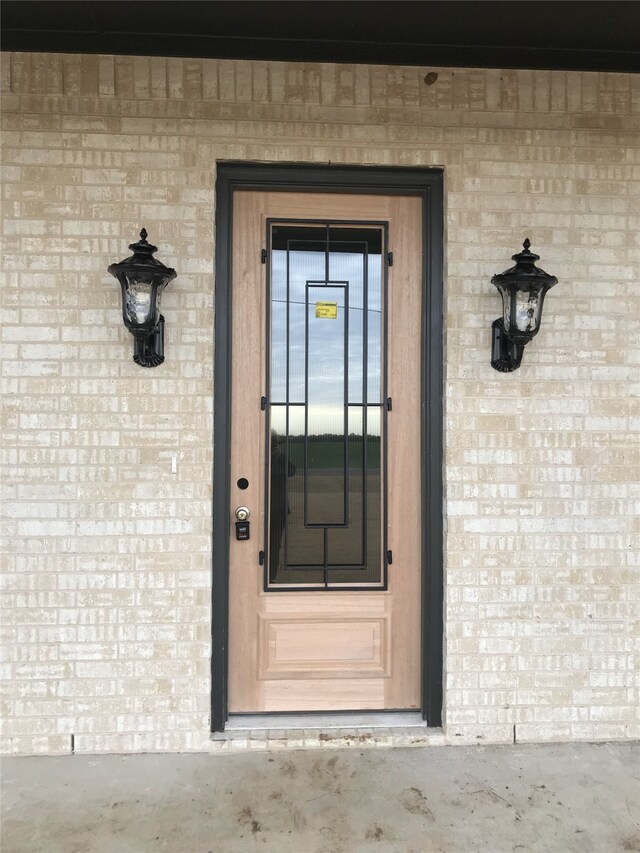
(523, 288)
(142, 279)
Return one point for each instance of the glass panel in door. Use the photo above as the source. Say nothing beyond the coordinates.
(326, 406)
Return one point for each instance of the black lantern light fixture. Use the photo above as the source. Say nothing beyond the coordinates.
(142, 280)
(523, 288)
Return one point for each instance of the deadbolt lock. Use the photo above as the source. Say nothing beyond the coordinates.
(243, 513)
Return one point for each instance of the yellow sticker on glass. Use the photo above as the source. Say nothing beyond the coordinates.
(327, 310)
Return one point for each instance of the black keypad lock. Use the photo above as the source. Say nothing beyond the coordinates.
(242, 531)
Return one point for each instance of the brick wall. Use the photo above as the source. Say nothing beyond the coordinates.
(106, 619)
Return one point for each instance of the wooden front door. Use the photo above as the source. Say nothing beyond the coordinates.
(324, 595)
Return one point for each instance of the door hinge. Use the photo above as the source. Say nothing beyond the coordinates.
(263, 403)
(389, 557)
(389, 404)
(390, 258)
(261, 558)
(263, 256)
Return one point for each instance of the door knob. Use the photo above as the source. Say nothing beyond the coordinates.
(243, 513)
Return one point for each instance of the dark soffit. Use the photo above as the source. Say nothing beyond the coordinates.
(573, 35)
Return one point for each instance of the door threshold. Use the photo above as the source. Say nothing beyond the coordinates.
(353, 720)
(320, 731)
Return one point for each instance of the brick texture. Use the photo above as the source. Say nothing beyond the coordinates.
(107, 554)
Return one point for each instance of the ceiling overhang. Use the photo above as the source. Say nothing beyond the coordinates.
(574, 35)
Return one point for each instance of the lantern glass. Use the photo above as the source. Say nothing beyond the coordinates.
(522, 310)
(142, 302)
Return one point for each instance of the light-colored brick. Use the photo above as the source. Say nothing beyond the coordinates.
(107, 583)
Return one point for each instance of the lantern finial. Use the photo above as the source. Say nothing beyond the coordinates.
(526, 244)
(143, 235)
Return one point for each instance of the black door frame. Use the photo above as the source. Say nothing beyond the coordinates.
(427, 184)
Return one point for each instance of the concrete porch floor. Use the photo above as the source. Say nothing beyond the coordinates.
(551, 798)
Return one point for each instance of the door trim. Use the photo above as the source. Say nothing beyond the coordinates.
(428, 184)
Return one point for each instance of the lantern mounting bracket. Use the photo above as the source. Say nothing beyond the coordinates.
(148, 350)
(505, 354)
